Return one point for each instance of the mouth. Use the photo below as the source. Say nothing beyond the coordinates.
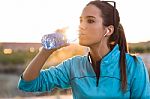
(81, 36)
(81, 33)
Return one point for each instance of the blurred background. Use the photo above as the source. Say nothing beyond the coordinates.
(24, 22)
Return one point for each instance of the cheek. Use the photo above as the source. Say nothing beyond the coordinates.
(96, 32)
(93, 35)
(90, 38)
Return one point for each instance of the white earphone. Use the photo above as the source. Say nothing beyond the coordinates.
(106, 33)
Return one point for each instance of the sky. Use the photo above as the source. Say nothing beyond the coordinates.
(29, 20)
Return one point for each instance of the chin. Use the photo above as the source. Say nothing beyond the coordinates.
(83, 43)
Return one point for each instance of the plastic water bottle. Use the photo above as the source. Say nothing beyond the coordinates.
(53, 40)
(58, 38)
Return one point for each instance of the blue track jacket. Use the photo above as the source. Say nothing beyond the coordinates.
(78, 74)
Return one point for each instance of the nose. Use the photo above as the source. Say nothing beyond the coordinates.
(82, 26)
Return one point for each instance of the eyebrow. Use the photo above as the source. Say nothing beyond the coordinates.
(88, 17)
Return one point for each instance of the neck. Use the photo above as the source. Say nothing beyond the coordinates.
(99, 51)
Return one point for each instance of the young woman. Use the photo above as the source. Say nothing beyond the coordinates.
(108, 71)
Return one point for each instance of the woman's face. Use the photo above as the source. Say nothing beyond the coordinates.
(91, 29)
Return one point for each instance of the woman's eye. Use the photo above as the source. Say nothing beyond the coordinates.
(90, 21)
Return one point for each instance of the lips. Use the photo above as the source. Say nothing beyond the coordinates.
(81, 33)
(82, 36)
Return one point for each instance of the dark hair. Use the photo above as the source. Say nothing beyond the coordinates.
(110, 16)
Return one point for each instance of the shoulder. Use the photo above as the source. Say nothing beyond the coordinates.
(76, 58)
(69, 64)
(135, 64)
(133, 59)
(74, 64)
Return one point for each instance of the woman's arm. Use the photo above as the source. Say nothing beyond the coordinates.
(36, 80)
(33, 69)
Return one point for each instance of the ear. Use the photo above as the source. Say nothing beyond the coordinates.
(109, 30)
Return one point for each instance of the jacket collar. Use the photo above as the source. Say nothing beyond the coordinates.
(109, 64)
(110, 57)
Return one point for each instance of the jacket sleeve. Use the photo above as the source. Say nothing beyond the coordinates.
(140, 88)
(48, 79)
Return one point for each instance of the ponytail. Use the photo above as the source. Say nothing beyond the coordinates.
(118, 37)
(123, 50)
